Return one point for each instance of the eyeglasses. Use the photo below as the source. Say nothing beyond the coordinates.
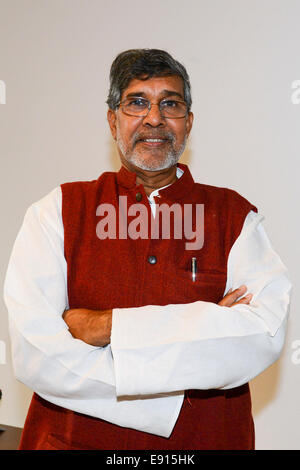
(140, 107)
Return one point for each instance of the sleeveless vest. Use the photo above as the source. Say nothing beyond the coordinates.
(125, 272)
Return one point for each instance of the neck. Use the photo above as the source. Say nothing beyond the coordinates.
(152, 180)
(156, 179)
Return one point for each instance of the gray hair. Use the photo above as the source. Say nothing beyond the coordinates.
(143, 64)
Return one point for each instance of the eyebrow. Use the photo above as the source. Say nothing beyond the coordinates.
(164, 92)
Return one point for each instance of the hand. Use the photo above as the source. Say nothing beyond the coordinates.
(91, 326)
(230, 299)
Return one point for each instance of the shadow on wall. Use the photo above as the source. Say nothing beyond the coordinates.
(264, 388)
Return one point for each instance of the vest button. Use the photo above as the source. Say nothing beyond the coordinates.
(138, 197)
(152, 259)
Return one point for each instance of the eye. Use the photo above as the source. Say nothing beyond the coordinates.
(137, 102)
(169, 104)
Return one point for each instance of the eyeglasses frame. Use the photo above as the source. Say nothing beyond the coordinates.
(150, 103)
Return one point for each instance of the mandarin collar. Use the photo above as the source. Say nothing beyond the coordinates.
(176, 190)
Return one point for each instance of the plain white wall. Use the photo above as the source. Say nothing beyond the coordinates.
(242, 57)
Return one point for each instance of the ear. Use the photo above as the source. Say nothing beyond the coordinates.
(189, 122)
(112, 118)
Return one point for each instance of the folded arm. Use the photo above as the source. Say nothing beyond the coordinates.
(200, 345)
(203, 345)
(94, 326)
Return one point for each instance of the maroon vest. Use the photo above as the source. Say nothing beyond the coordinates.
(117, 273)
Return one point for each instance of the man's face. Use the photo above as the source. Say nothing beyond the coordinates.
(133, 133)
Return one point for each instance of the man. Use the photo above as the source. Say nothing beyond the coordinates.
(136, 341)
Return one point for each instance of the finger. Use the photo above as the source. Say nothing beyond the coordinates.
(232, 296)
(244, 300)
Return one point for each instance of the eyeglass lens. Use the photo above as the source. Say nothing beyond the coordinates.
(141, 107)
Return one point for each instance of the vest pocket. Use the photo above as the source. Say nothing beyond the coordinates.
(207, 285)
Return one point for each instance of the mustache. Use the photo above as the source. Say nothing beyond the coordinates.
(153, 135)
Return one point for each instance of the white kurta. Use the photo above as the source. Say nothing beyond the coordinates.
(156, 352)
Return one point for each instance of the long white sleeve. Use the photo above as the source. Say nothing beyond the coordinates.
(203, 345)
(59, 368)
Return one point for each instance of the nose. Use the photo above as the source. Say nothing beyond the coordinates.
(154, 117)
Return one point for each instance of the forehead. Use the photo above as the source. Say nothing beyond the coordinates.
(155, 87)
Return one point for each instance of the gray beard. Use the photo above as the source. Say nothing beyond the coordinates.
(136, 158)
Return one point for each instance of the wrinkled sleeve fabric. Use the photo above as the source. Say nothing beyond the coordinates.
(64, 370)
(203, 345)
